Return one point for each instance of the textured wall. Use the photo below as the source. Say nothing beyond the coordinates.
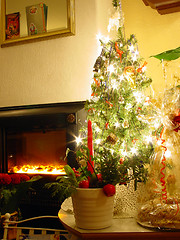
(60, 70)
(57, 70)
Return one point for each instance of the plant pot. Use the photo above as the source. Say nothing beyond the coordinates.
(92, 208)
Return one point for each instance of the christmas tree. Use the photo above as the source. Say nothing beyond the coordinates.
(120, 111)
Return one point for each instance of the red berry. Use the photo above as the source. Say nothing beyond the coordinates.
(109, 190)
(84, 184)
(99, 177)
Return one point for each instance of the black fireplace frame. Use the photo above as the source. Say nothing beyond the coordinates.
(69, 114)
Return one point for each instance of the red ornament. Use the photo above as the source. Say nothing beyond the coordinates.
(84, 184)
(176, 122)
(99, 177)
(109, 190)
(121, 160)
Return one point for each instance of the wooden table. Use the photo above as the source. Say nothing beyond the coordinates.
(122, 229)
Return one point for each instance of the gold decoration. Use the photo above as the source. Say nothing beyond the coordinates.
(112, 138)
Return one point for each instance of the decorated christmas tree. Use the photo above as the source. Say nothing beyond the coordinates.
(115, 146)
(120, 111)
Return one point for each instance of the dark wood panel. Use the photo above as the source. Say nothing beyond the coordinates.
(164, 6)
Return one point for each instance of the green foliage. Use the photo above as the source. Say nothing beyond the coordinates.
(116, 3)
(65, 185)
(120, 112)
(121, 116)
(11, 195)
(169, 55)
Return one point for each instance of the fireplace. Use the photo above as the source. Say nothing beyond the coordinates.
(34, 139)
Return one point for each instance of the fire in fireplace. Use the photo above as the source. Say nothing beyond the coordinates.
(34, 139)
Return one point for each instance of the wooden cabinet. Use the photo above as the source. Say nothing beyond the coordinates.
(164, 6)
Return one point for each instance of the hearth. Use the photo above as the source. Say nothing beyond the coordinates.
(34, 139)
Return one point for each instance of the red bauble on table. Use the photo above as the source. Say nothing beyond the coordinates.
(109, 190)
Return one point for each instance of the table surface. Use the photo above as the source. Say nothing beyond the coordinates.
(122, 228)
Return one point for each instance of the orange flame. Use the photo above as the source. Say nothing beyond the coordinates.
(40, 169)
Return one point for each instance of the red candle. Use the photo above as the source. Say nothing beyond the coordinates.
(90, 146)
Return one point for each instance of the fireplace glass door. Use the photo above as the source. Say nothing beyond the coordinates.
(34, 139)
(37, 151)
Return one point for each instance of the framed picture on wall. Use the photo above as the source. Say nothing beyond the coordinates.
(12, 26)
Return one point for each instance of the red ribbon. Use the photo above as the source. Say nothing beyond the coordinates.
(163, 162)
(97, 82)
(140, 69)
(110, 104)
(119, 52)
(163, 183)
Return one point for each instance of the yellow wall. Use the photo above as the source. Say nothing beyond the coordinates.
(61, 70)
(57, 70)
(155, 33)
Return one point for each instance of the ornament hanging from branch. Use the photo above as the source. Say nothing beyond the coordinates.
(99, 62)
(112, 138)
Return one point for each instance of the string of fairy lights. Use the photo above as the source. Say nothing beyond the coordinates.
(115, 78)
(111, 80)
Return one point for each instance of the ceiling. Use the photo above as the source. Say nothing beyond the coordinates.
(164, 6)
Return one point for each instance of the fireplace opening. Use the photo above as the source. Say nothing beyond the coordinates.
(34, 139)
(40, 151)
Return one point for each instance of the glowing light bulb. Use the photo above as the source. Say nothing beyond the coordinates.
(112, 23)
(136, 52)
(110, 68)
(144, 69)
(117, 124)
(112, 151)
(103, 38)
(124, 153)
(167, 153)
(78, 140)
(138, 96)
(148, 139)
(121, 77)
(128, 106)
(97, 129)
(159, 142)
(114, 83)
(156, 124)
(134, 58)
(98, 141)
(131, 48)
(133, 150)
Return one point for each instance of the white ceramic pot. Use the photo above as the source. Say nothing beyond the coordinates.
(92, 208)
